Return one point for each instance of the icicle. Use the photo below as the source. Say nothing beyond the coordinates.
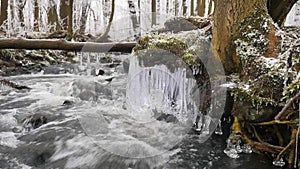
(206, 124)
(247, 149)
(238, 147)
(230, 150)
(218, 130)
(80, 58)
(297, 140)
(157, 88)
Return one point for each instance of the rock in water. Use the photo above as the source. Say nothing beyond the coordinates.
(33, 122)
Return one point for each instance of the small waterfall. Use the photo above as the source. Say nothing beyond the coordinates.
(157, 89)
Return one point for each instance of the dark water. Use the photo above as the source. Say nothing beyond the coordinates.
(48, 127)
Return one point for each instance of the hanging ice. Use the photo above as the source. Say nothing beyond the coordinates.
(218, 130)
(156, 89)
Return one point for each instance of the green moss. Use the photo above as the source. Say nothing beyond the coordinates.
(189, 58)
(250, 96)
(293, 89)
(162, 42)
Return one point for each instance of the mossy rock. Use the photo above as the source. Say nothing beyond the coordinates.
(181, 45)
(162, 42)
(249, 106)
(245, 111)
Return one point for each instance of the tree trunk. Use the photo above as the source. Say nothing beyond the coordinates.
(139, 6)
(33, 44)
(153, 10)
(21, 5)
(63, 13)
(4, 7)
(70, 18)
(184, 8)
(53, 16)
(104, 36)
(201, 7)
(192, 8)
(36, 16)
(210, 7)
(84, 16)
(134, 20)
(228, 17)
(176, 7)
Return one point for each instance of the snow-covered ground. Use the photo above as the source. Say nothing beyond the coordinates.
(293, 18)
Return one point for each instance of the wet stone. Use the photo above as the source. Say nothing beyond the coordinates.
(33, 122)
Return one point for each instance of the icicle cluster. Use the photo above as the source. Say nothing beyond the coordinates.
(157, 89)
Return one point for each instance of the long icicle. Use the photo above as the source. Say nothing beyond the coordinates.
(297, 139)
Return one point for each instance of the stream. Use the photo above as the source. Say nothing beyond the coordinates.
(107, 115)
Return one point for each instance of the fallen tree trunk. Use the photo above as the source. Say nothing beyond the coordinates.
(35, 44)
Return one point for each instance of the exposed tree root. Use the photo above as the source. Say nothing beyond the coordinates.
(289, 150)
(279, 136)
(288, 147)
(273, 122)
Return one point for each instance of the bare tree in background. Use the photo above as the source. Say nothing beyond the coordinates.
(192, 8)
(84, 15)
(176, 7)
(200, 7)
(70, 18)
(133, 17)
(4, 14)
(53, 16)
(184, 8)
(153, 10)
(63, 13)
(36, 15)
(20, 6)
(104, 36)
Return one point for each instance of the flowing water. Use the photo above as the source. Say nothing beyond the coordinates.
(118, 120)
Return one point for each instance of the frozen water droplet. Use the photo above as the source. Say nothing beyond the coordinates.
(279, 163)
(247, 149)
(238, 147)
(232, 153)
(218, 130)
(206, 124)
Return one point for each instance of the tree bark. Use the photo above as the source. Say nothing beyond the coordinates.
(31, 44)
(228, 17)
(4, 7)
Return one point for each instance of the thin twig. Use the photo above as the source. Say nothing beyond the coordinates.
(287, 106)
